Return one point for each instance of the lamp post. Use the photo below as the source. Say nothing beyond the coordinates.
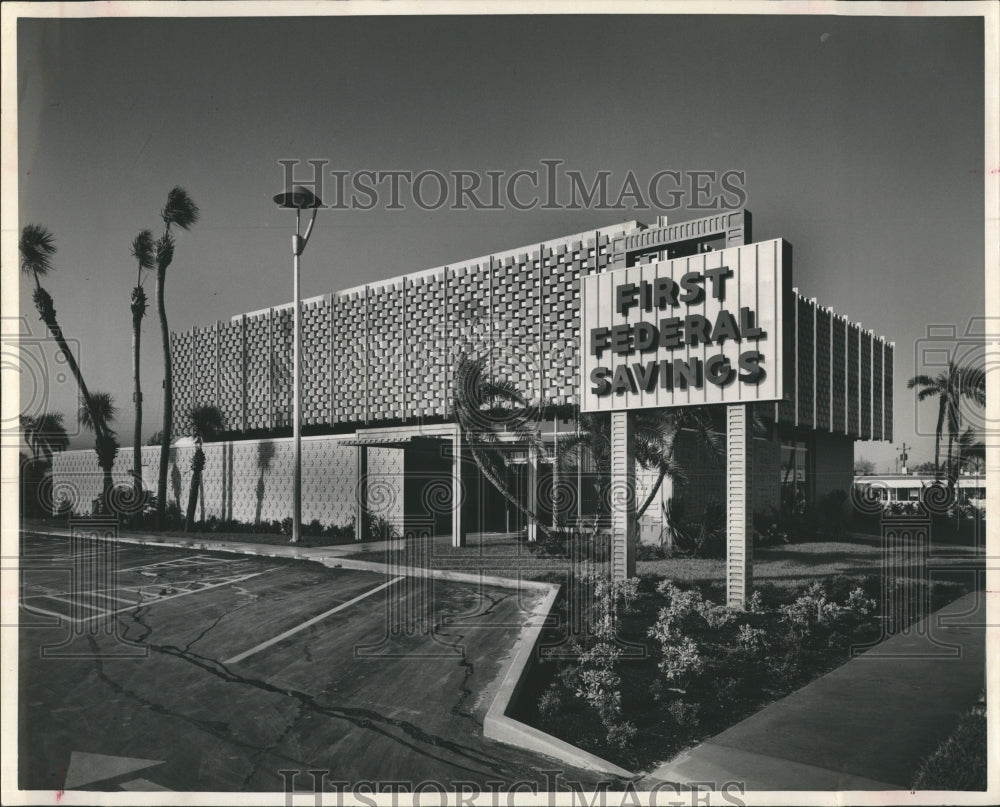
(298, 199)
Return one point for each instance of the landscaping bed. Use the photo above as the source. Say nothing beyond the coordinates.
(661, 666)
(960, 762)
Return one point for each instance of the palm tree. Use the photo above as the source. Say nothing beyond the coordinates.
(96, 416)
(656, 435)
(44, 434)
(37, 246)
(206, 424)
(485, 409)
(971, 452)
(950, 386)
(143, 252)
(182, 212)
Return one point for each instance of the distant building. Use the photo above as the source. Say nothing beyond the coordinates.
(890, 488)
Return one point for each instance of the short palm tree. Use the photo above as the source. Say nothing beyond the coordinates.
(143, 250)
(656, 435)
(179, 211)
(44, 434)
(971, 451)
(950, 387)
(37, 246)
(207, 422)
(493, 414)
(97, 416)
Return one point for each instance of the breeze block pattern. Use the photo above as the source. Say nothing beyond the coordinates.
(384, 352)
(249, 480)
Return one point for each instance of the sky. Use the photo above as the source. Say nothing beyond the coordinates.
(861, 139)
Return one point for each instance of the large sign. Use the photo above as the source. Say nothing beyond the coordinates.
(705, 329)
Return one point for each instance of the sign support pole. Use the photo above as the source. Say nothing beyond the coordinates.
(624, 524)
(739, 504)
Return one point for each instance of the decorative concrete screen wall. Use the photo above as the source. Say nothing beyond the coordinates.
(384, 352)
(251, 480)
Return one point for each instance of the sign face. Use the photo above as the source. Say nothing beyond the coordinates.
(706, 329)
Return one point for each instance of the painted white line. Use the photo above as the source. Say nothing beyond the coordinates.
(109, 596)
(156, 565)
(142, 601)
(34, 609)
(72, 602)
(307, 623)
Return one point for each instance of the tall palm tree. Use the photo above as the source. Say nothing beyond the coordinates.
(37, 246)
(143, 252)
(182, 212)
(488, 410)
(206, 424)
(44, 434)
(950, 386)
(97, 417)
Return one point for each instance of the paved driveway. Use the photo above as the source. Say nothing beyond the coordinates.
(148, 669)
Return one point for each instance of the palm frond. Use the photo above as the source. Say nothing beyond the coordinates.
(207, 422)
(144, 250)
(180, 210)
(37, 246)
(972, 384)
(102, 407)
(923, 381)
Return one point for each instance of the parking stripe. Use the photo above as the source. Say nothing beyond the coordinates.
(76, 602)
(308, 623)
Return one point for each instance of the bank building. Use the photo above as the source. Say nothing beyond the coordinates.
(602, 324)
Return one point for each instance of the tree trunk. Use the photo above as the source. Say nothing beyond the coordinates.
(937, 438)
(656, 489)
(137, 398)
(197, 464)
(47, 313)
(168, 401)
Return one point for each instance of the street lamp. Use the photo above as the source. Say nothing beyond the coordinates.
(299, 199)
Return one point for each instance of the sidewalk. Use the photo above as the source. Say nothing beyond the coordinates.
(865, 726)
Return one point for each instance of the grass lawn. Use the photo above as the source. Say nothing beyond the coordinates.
(787, 567)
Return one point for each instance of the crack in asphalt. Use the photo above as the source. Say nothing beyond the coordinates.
(215, 728)
(361, 718)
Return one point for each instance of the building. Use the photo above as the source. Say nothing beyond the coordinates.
(904, 488)
(380, 434)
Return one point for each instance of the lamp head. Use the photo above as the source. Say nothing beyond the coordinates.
(299, 198)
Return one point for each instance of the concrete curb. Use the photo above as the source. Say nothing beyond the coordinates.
(505, 729)
(497, 725)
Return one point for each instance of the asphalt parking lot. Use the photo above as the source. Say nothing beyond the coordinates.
(163, 669)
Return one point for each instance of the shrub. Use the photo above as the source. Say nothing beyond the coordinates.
(960, 762)
(684, 714)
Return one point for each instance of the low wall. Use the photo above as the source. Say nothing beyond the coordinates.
(249, 480)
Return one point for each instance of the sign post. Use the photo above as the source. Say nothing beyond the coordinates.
(624, 525)
(707, 329)
(739, 504)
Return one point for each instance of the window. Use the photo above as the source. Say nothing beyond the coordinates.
(794, 475)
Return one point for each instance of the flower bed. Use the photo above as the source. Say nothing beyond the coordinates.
(659, 667)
